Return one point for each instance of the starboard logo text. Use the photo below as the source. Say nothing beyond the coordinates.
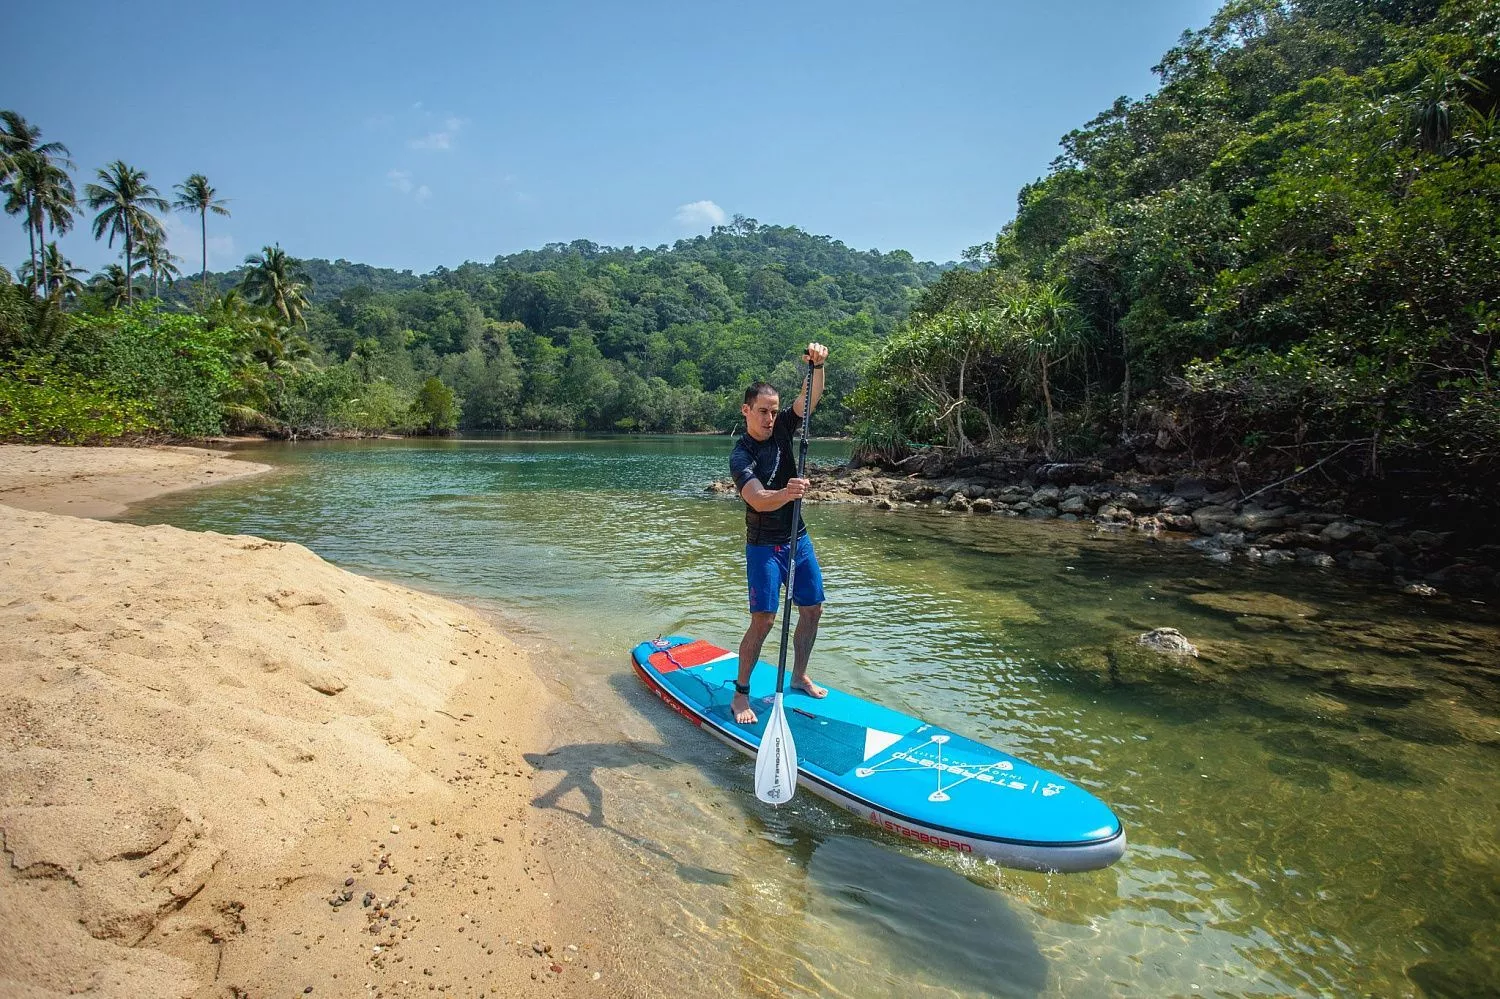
(941, 842)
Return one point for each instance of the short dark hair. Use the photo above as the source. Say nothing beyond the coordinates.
(759, 389)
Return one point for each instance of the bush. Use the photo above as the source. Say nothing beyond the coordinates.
(41, 403)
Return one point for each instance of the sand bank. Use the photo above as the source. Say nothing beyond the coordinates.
(103, 481)
(228, 768)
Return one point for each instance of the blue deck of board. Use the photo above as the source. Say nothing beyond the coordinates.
(898, 763)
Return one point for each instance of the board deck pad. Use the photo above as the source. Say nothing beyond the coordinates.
(893, 768)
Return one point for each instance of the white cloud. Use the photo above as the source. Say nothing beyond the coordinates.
(401, 180)
(442, 138)
(696, 214)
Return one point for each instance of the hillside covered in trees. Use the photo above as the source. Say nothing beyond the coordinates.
(1285, 260)
(1288, 256)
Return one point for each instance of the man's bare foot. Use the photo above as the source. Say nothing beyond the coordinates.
(809, 688)
(741, 708)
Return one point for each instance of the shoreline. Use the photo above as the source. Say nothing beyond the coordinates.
(231, 765)
(102, 482)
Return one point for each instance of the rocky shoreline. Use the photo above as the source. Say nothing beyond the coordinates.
(1269, 526)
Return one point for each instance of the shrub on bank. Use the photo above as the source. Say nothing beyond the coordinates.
(41, 403)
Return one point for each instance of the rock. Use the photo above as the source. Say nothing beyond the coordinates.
(1374, 687)
(1177, 522)
(1137, 503)
(1213, 519)
(1168, 641)
(1340, 531)
(1269, 556)
(1116, 513)
(1322, 560)
(1253, 518)
(1419, 590)
(1243, 603)
(958, 503)
(861, 489)
(884, 504)
(983, 505)
(1046, 496)
(1041, 513)
(1073, 504)
(1175, 504)
(1065, 474)
(1190, 489)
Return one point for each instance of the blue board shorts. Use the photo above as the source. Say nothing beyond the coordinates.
(765, 571)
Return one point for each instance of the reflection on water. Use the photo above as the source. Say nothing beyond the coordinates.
(1311, 803)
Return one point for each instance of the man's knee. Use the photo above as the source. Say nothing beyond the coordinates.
(811, 613)
(761, 622)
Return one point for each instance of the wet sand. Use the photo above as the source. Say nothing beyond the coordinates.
(232, 769)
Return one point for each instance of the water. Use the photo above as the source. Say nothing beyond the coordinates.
(1312, 805)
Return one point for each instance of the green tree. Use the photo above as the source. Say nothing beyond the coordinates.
(125, 201)
(1046, 330)
(114, 287)
(61, 279)
(37, 184)
(277, 283)
(158, 260)
(196, 195)
(435, 408)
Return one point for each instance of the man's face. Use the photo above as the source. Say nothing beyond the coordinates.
(760, 415)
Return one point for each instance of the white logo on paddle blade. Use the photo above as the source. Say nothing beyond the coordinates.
(776, 762)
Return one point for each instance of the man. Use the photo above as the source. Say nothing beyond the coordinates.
(764, 467)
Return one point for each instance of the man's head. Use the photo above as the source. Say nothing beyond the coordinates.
(762, 404)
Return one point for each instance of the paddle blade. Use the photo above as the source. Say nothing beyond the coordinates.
(776, 760)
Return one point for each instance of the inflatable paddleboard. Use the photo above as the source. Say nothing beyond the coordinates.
(908, 777)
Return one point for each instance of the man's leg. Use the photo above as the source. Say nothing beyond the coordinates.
(750, 646)
(802, 644)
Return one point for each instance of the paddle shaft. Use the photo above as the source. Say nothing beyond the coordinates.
(791, 559)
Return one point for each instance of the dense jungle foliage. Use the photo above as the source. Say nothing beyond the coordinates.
(570, 337)
(1289, 254)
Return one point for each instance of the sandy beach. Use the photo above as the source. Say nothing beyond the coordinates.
(233, 769)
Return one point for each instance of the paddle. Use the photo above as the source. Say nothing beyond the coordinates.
(776, 759)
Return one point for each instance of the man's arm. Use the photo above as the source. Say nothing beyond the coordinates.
(817, 354)
(763, 500)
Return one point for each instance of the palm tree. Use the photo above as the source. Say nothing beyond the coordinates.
(60, 275)
(276, 282)
(115, 288)
(37, 185)
(160, 262)
(124, 201)
(195, 195)
(1046, 330)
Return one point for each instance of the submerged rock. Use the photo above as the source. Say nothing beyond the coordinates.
(1168, 641)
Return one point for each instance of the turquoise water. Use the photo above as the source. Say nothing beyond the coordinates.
(1312, 805)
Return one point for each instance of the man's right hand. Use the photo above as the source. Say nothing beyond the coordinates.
(795, 488)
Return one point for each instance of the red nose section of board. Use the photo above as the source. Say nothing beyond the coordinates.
(686, 656)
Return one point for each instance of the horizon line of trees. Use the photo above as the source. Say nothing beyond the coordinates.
(572, 336)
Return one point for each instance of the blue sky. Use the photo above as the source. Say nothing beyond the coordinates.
(412, 136)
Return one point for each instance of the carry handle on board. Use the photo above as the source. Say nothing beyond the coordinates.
(776, 759)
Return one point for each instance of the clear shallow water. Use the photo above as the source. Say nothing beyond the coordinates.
(1312, 806)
